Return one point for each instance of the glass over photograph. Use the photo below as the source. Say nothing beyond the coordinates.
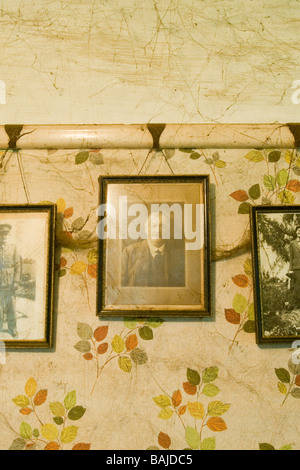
(26, 258)
(154, 246)
(276, 252)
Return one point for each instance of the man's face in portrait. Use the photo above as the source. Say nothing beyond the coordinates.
(154, 228)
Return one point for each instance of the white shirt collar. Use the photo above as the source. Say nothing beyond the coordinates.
(154, 250)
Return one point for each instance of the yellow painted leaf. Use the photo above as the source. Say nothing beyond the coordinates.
(31, 387)
(78, 268)
(282, 388)
(162, 400)
(68, 434)
(196, 410)
(118, 344)
(50, 432)
(57, 409)
(21, 400)
(61, 204)
(165, 413)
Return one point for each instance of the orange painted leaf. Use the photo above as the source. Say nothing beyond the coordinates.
(189, 388)
(88, 356)
(131, 342)
(52, 446)
(182, 410)
(297, 381)
(40, 397)
(92, 270)
(232, 316)
(241, 280)
(164, 440)
(102, 348)
(82, 446)
(63, 262)
(68, 212)
(26, 411)
(176, 398)
(216, 424)
(100, 333)
(293, 186)
(240, 195)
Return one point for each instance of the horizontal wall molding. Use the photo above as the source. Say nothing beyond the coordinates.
(150, 136)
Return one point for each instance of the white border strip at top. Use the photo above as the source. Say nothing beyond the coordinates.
(148, 136)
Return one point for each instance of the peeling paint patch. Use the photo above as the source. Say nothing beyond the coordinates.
(14, 133)
(156, 130)
(295, 130)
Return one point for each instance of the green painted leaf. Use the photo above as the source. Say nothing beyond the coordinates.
(208, 444)
(254, 156)
(186, 150)
(193, 376)
(81, 157)
(76, 413)
(239, 303)
(265, 446)
(250, 312)
(162, 400)
(25, 430)
(154, 322)
(130, 323)
(96, 158)
(210, 390)
(217, 408)
(36, 433)
(70, 400)
(220, 164)
(77, 224)
(192, 438)
(83, 346)
(62, 272)
(84, 331)
(18, 444)
(58, 420)
(274, 156)
(139, 356)
(249, 326)
(146, 333)
(254, 191)
(287, 447)
(210, 374)
(283, 375)
(282, 177)
(269, 182)
(195, 155)
(295, 392)
(125, 364)
(244, 208)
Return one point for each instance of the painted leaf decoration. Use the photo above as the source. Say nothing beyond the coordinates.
(31, 387)
(18, 444)
(100, 333)
(139, 356)
(84, 331)
(92, 256)
(248, 267)
(58, 420)
(249, 326)
(102, 348)
(295, 393)
(282, 177)
(81, 157)
(21, 400)
(146, 333)
(189, 388)
(154, 322)
(52, 446)
(92, 270)
(164, 440)
(254, 191)
(193, 376)
(240, 195)
(83, 346)
(286, 197)
(125, 364)
(131, 342)
(232, 316)
(196, 410)
(76, 413)
(165, 413)
(195, 155)
(69, 434)
(176, 398)
(77, 224)
(61, 205)
(78, 268)
(274, 156)
(254, 156)
(250, 312)
(182, 410)
(25, 411)
(210, 374)
(287, 447)
(40, 397)
(283, 375)
(192, 438)
(208, 444)
(210, 390)
(241, 280)
(96, 158)
(294, 186)
(82, 446)
(297, 380)
(216, 424)
(68, 213)
(50, 432)
(239, 303)
(269, 182)
(63, 262)
(118, 344)
(294, 363)
(266, 446)
(70, 400)
(88, 356)
(162, 400)
(217, 408)
(130, 323)
(25, 430)
(220, 164)
(244, 208)
(36, 433)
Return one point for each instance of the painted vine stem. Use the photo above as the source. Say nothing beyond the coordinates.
(123, 347)
(194, 416)
(58, 432)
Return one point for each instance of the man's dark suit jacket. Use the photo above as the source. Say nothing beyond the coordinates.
(139, 269)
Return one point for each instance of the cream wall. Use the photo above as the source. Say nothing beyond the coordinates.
(132, 62)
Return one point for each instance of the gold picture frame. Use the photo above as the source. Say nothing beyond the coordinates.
(136, 279)
(27, 247)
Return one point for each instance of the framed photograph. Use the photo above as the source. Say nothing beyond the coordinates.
(27, 240)
(276, 266)
(154, 246)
